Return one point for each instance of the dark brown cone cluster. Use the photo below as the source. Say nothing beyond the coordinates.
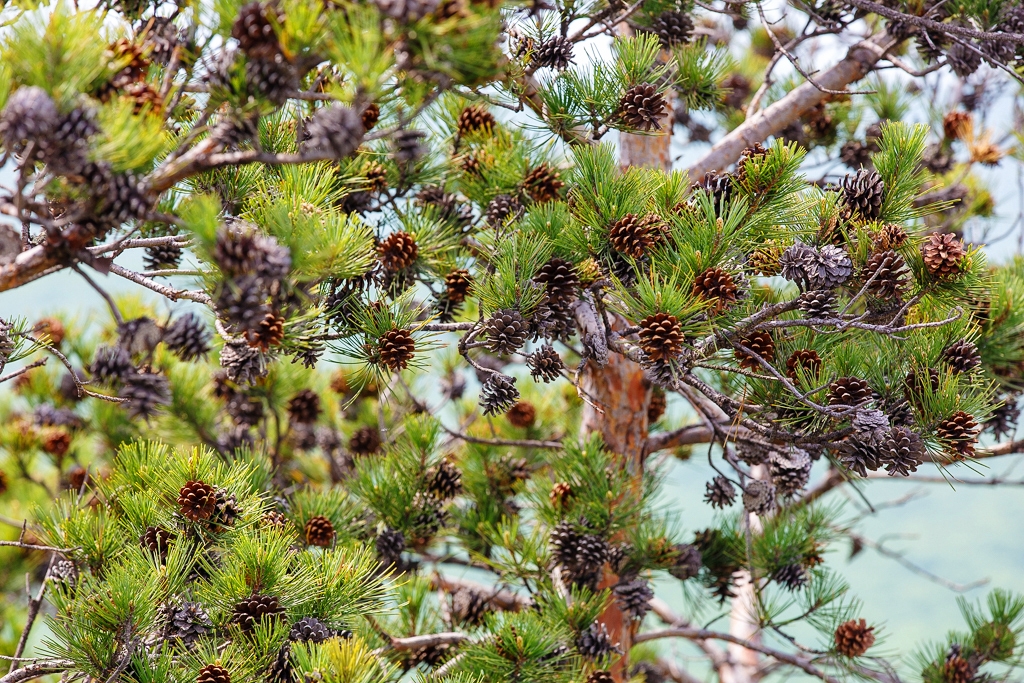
(370, 116)
(642, 107)
(506, 331)
(806, 359)
(657, 405)
(633, 235)
(660, 336)
(522, 415)
(475, 119)
(469, 606)
(719, 493)
(256, 608)
(364, 441)
(957, 668)
(962, 356)
(545, 364)
(888, 272)
(890, 236)
(943, 255)
(762, 344)
(672, 28)
(559, 279)
(560, 494)
(956, 123)
(396, 349)
(254, 30)
(444, 481)
(848, 391)
(156, 540)
(319, 532)
(304, 407)
(213, 673)
(543, 183)
(716, 285)
(854, 637)
(398, 251)
(959, 431)
(457, 284)
(863, 192)
(600, 676)
(197, 500)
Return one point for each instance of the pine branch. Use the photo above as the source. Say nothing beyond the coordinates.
(38, 670)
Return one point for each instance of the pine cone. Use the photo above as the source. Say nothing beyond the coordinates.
(276, 80)
(600, 676)
(198, 500)
(310, 630)
(799, 264)
(63, 571)
(506, 331)
(390, 544)
(111, 364)
(759, 497)
(861, 456)
(364, 441)
(871, 425)
(765, 259)
(444, 481)
(255, 609)
(789, 471)
(630, 236)
(469, 607)
(718, 186)
(555, 52)
(863, 193)
(642, 107)
(594, 643)
(660, 336)
(553, 319)
(545, 364)
(280, 670)
(634, 597)
(962, 356)
(304, 407)
(807, 360)
(956, 123)
(760, 343)
(890, 236)
(213, 673)
(902, 451)
(854, 637)
(914, 385)
(30, 116)
(254, 31)
(397, 348)
(717, 286)
(889, 271)
(943, 255)
(146, 392)
(790, 576)
(370, 116)
(857, 154)
(833, 268)
(501, 207)
(268, 332)
(188, 338)
(273, 518)
(522, 415)
(498, 393)
(542, 184)
(560, 494)
(688, 561)
(161, 256)
(398, 251)
(156, 540)
(319, 532)
(848, 391)
(449, 207)
(186, 622)
(457, 284)
(959, 431)
(672, 28)
(559, 279)
(407, 145)
(720, 493)
(337, 128)
(475, 119)
(657, 405)
(963, 60)
(1003, 419)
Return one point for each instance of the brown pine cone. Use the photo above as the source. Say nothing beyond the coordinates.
(559, 279)
(889, 271)
(560, 494)
(630, 236)
(660, 336)
(156, 540)
(959, 431)
(398, 251)
(213, 673)
(370, 116)
(765, 259)
(522, 415)
(848, 391)
(642, 107)
(854, 637)
(890, 236)
(256, 608)
(943, 255)
(304, 407)
(57, 443)
(962, 356)
(319, 532)
(807, 359)
(542, 184)
(254, 31)
(715, 285)
(760, 343)
(269, 332)
(457, 284)
(396, 349)
(475, 119)
(956, 123)
(198, 500)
